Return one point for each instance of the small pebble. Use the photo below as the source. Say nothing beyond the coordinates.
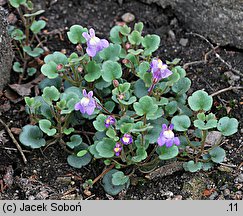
(226, 192)
(177, 197)
(3, 2)
(128, 17)
(183, 41)
(171, 35)
(213, 195)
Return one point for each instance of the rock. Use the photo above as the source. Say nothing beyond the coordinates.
(225, 169)
(220, 20)
(172, 35)
(232, 78)
(177, 197)
(239, 178)
(226, 192)
(3, 2)
(213, 138)
(183, 41)
(6, 53)
(213, 195)
(128, 17)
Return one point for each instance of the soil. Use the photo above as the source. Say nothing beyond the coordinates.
(47, 174)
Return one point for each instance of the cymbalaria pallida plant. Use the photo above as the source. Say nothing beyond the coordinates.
(118, 103)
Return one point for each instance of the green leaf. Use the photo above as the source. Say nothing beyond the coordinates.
(192, 166)
(111, 133)
(171, 107)
(32, 137)
(182, 86)
(111, 188)
(78, 162)
(57, 82)
(118, 178)
(140, 89)
(17, 34)
(34, 14)
(125, 30)
(33, 53)
(181, 122)
(31, 71)
(141, 155)
(105, 148)
(135, 52)
(217, 154)
(29, 101)
(228, 126)
(17, 67)
(94, 72)
(126, 127)
(135, 38)
(167, 153)
(37, 26)
(75, 34)
(151, 44)
(82, 153)
(200, 100)
(143, 69)
(68, 131)
(75, 140)
(50, 70)
(145, 106)
(99, 123)
(45, 126)
(17, 3)
(112, 52)
(110, 105)
(111, 71)
(138, 27)
(114, 35)
(50, 94)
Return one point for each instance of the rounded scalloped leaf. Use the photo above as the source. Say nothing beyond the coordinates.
(50, 70)
(167, 153)
(93, 72)
(50, 94)
(217, 154)
(37, 26)
(45, 126)
(115, 35)
(135, 37)
(99, 123)
(118, 178)
(17, 67)
(112, 52)
(182, 86)
(78, 162)
(150, 43)
(200, 100)
(32, 136)
(111, 70)
(191, 166)
(105, 148)
(17, 3)
(145, 106)
(75, 34)
(228, 126)
(181, 122)
(33, 52)
(17, 34)
(57, 57)
(75, 140)
(111, 188)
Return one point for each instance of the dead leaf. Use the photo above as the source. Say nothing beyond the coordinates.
(208, 192)
(5, 107)
(3, 138)
(21, 89)
(11, 95)
(15, 130)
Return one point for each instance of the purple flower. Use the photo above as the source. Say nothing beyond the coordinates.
(159, 70)
(127, 139)
(117, 149)
(110, 120)
(94, 44)
(87, 104)
(167, 136)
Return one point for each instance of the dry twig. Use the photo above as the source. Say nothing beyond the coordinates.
(14, 140)
(226, 89)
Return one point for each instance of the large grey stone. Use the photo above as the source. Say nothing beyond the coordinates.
(219, 20)
(6, 53)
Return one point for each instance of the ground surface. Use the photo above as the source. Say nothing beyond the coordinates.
(48, 176)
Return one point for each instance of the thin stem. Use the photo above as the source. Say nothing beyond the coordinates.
(103, 173)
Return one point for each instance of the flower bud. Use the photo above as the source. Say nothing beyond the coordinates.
(80, 69)
(59, 67)
(79, 47)
(121, 96)
(115, 83)
(128, 46)
(125, 61)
